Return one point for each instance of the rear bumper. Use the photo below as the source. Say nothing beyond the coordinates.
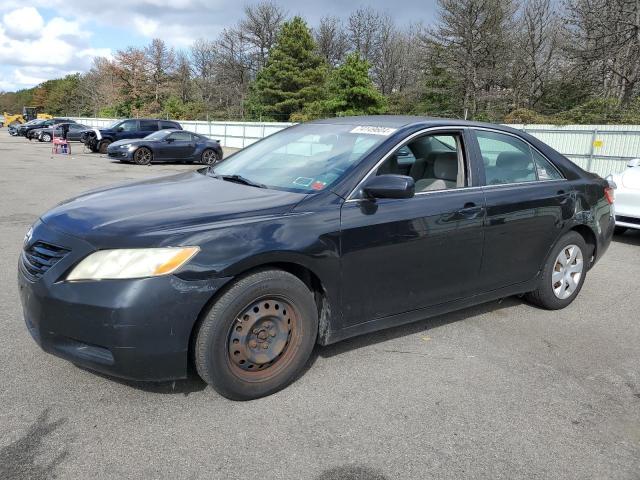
(136, 329)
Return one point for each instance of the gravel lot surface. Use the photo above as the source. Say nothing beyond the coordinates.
(502, 390)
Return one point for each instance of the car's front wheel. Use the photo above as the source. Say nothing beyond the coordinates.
(143, 156)
(104, 144)
(563, 275)
(258, 335)
(45, 137)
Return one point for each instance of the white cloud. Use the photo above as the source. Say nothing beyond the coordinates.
(23, 22)
(57, 48)
(146, 26)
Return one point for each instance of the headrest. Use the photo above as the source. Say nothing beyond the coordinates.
(445, 166)
(513, 161)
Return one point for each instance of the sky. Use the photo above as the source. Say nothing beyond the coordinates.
(45, 39)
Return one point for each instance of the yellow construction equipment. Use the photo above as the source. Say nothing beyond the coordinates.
(28, 113)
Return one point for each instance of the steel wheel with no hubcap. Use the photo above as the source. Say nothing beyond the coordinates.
(567, 271)
(260, 337)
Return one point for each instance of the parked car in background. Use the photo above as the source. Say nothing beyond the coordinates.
(29, 131)
(166, 146)
(73, 134)
(21, 129)
(13, 128)
(627, 205)
(314, 234)
(98, 140)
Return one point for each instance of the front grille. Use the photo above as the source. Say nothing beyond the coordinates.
(39, 258)
(622, 218)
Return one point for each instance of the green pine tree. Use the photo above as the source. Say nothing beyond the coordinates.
(350, 91)
(293, 76)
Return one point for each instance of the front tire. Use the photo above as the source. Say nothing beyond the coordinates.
(258, 335)
(45, 137)
(102, 147)
(142, 156)
(563, 275)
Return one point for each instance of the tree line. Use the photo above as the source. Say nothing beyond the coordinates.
(532, 61)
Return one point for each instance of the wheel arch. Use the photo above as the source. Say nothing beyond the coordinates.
(302, 272)
(590, 239)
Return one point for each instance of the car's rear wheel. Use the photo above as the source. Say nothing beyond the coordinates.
(258, 335)
(619, 230)
(209, 157)
(104, 144)
(143, 156)
(563, 275)
(46, 137)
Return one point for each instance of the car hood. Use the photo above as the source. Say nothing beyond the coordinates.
(630, 178)
(155, 210)
(129, 141)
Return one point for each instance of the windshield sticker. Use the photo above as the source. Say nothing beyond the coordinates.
(303, 181)
(371, 130)
(318, 185)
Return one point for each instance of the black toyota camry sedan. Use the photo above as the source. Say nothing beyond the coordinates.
(320, 232)
(167, 146)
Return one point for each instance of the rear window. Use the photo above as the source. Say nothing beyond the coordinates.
(164, 125)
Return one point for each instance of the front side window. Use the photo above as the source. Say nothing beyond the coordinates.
(128, 126)
(506, 158)
(305, 158)
(434, 161)
(180, 136)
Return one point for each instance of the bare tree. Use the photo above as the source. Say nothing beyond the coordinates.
(182, 76)
(203, 62)
(332, 40)
(161, 61)
(132, 68)
(234, 70)
(606, 42)
(474, 35)
(260, 26)
(363, 27)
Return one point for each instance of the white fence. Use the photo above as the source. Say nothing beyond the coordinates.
(602, 149)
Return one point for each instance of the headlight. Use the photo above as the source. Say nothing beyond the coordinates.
(132, 263)
(125, 146)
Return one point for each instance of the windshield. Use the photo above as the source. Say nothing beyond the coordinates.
(114, 124)
(159, 135)
(304, 158)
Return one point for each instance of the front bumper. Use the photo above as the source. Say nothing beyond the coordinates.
(137, 329)
(120, 154)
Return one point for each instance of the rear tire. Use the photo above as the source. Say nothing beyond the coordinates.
(45, 137)
(209, 157)
(619, 230)
(560, 283)
(104, 144)
(258, 336)
(142, 156)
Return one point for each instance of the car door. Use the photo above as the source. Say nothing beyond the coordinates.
(178, 146)
(399, 255)
(75, 131)
(527, 200)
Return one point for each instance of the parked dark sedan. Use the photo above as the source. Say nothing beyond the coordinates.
(73, 134)
(29, 130)
(167, 146)
(315, 234)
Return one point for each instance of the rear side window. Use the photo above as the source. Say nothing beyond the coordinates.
(546, 170)
(148, 125)
(164, 125)
(506, 159)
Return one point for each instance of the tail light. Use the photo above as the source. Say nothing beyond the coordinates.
(610, 195)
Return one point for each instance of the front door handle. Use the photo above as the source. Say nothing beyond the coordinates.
(470, 210)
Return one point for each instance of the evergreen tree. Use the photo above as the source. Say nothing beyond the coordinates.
(293, 76)
(350, 91)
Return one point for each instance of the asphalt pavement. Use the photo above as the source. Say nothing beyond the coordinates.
(499, 391)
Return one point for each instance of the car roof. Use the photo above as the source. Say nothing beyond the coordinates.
(399, 121)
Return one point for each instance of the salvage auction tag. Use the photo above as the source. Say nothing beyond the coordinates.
(371, 130)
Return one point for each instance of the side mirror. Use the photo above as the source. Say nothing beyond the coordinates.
(390, 186)
(120, 129)
(170, 140)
